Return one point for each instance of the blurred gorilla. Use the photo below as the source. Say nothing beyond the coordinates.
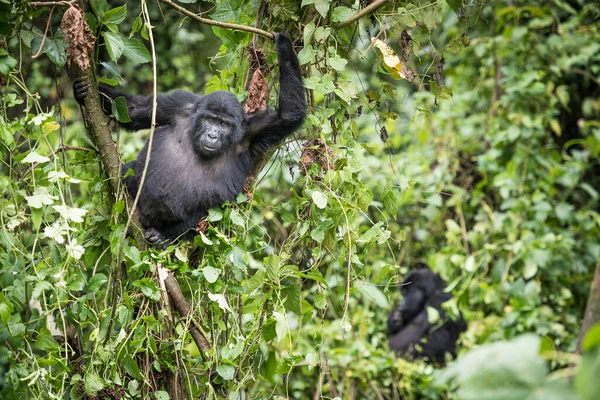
(410, 333)
(205, 147)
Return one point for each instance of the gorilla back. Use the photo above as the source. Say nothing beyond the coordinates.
(410, 332)
(204, 147)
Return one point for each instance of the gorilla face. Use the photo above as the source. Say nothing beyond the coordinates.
(218, 124)
(212, 136)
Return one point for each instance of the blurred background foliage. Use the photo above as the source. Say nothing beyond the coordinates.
(484, 167)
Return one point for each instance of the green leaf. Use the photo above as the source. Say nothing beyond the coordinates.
(137, 25)
(586, 380)
(321, 34)
(226, 11)
(309, 30)
(340, 14)
(7, 63)
(112, 69)
(115, 15)
(210, 274)
(135, 51)
(205, 240)
(322, 7)
(592, 338)
(281, 326)
(148, 287)
(372, 293)
(55, 48)
(99, 7)
(120, 110)
(214, 215)
(232, 354)
(114, 45)
(93, 383)
(161, 394)
(530, 269)
(320, 199)
(96, 282)
(292, 297)
(503, 370)
(306, 55)
(273, 263)
(317, 235)
(432, 16)
(320, 301)
(6, 135)
(6, 310)
(269, 332)
(131, 367)
(338, 63)
(45, 341)
(236, 218)
(311, 82)
(226, 371)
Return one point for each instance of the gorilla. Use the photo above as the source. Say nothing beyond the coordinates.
(204, 147)
(410, 332)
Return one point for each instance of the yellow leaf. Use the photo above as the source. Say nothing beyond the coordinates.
(555, 126)
(49, 127)
(391, 61)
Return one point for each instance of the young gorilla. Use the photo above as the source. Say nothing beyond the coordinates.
(411, 334)
(204, 147)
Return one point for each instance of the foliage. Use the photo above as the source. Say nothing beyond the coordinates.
(485, 167)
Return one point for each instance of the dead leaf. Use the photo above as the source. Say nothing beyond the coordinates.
(78, 35)
(258, 94)
(316, 151)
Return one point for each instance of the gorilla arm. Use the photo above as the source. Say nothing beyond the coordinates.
(405, 339)
(139, 108)
(267, 128)
(168, 106)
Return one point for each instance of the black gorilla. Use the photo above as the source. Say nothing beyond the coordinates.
(204, 147)
(410, 332)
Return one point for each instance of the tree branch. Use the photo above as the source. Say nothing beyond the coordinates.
(367, 10)
(183, 307)
(218, 23)
(97, 123)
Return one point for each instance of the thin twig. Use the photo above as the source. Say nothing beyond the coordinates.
(36, 55)
(218, 23)
(367, 10)
(52, 3)
(144, 171)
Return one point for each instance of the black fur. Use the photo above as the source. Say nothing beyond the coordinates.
(204, 147)
(410, 333)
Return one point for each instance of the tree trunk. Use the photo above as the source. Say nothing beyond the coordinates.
(592, 311)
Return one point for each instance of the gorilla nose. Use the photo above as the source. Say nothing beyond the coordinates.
(213, 136)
